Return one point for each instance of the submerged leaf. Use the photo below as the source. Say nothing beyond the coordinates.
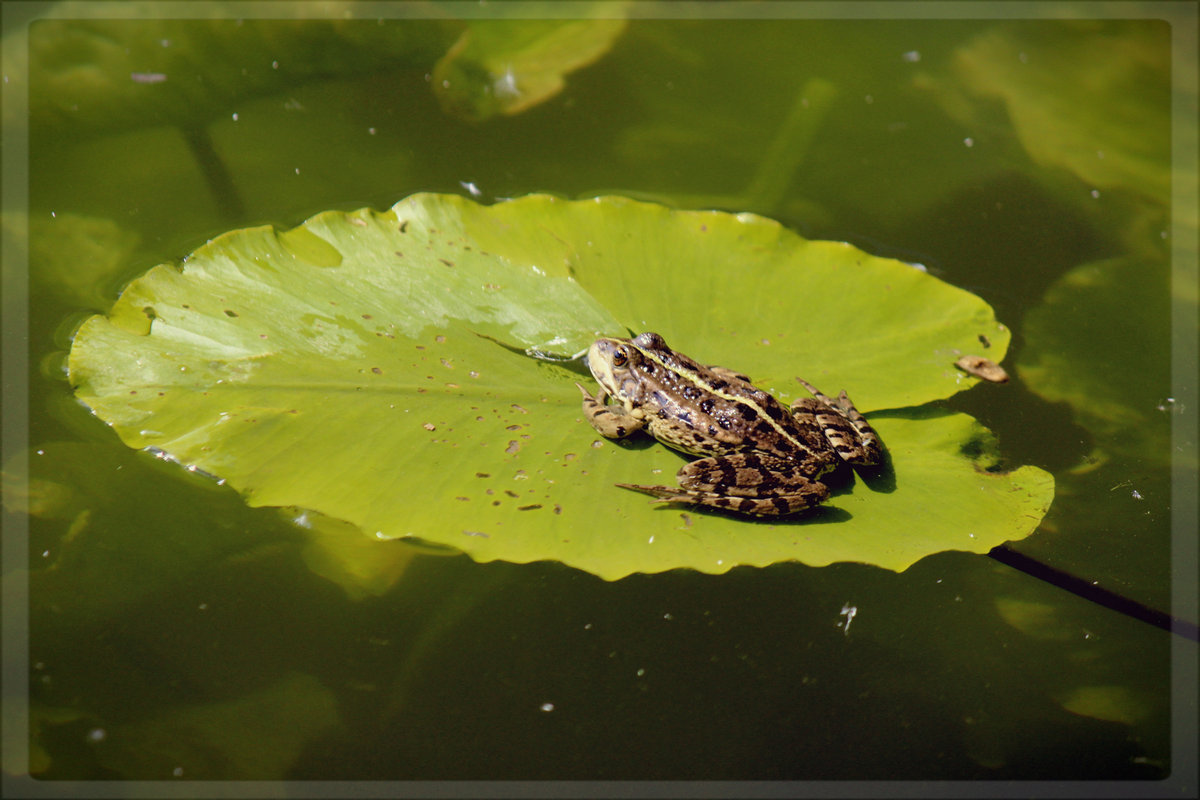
(504, 66)
(1091, 97)
(259, 736)
(397, 370)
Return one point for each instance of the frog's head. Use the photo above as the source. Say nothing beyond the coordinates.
(621, 365)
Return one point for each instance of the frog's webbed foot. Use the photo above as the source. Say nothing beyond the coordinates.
(843, 425)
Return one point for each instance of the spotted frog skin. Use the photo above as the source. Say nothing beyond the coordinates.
(758, 457)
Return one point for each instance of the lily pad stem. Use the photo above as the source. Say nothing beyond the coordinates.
(216, 174)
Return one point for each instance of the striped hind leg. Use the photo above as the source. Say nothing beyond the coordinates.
(846, 429)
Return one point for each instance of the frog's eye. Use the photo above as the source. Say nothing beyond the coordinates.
(620, 358)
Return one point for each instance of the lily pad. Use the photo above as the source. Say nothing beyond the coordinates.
(397, 370)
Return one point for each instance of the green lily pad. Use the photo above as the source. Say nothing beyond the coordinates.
(391, 369)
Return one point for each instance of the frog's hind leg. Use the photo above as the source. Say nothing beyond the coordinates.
(843, 425)
(777, 506)
(747, 483)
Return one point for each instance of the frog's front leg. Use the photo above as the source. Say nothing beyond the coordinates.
(748, 483)
(611, 422)
(843, 425)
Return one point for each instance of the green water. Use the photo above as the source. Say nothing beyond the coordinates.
(177, 633)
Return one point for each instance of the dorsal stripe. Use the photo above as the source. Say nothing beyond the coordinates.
(695, 378)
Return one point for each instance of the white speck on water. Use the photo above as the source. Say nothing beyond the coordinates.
(650, 540)
(547, 707)
(849, 612)
(177, 772)
(641, 673)
(969, 142)
(1136, 494)
(1095, 194)
(97, 735)
(471, 188)
(235, 116)
(912, 56)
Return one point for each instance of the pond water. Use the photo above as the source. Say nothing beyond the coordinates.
(177, 633)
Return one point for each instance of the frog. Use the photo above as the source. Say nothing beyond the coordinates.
(756, 456)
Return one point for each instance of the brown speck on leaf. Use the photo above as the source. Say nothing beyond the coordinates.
(491, 286)
(429, 426)
(446, 363)
(982, 367)
(399, 254)
(570, 457)
(513, 428)
(516, 407)
(359, 221)
(687, 520)
(447, 262)
(377, 370)
(984, 340)
(439, 339)
(557, 508)
(451, 385)
(404, 226)
(230, 312)
(597, 444)
(477, 533)
(511, 493)
(366, 316)
(512, 447)
(529, 507)
(483, 474)
(460, 497)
